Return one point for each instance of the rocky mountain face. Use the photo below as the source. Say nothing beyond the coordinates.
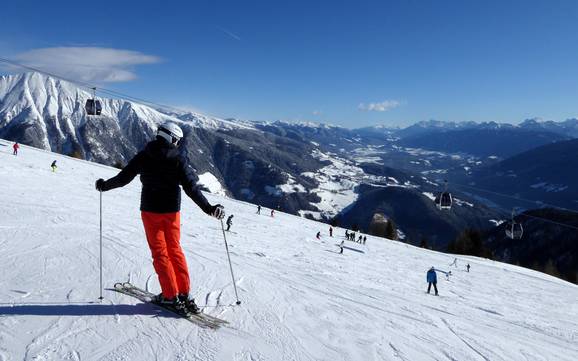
(248, 163)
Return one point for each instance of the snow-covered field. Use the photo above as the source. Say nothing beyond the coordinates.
(301, 300)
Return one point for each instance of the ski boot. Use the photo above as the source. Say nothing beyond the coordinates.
(173, 304)
(189, 304)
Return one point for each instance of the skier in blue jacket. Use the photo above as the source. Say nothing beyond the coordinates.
(432, 278)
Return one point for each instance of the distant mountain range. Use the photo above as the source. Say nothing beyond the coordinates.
(314, 170)
(484, 142)
(547, 174)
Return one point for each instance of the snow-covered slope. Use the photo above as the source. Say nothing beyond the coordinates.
(301, 300)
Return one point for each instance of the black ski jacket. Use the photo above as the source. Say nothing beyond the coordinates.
(161, 170)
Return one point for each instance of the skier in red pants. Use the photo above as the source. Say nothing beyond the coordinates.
(162, 170)
(15, 147)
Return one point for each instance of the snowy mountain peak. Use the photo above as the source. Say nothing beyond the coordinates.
(48, 113)
(46, 96)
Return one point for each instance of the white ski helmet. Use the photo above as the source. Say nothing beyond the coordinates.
(171, 132)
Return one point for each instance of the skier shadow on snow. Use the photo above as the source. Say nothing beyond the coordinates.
(83, 310)
(353, 249)
(331, 251)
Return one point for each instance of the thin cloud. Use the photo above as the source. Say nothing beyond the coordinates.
(383, 106)
(317, 112)
(87, 63)
(231, 34)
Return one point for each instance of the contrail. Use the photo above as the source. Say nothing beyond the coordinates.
(234, 36)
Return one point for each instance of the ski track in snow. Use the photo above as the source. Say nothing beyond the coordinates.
(300, 300)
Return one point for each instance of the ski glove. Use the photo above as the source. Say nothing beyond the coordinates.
(99, 185)
(218, 211)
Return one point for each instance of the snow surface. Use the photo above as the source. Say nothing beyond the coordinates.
(301, 300)
(209, 181)
(337, 183)
(292, 186)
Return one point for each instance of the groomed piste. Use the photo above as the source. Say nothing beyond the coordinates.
(301, 300)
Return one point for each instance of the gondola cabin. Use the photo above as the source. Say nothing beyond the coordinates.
(93, 107)
(514, 230)
(444, 200)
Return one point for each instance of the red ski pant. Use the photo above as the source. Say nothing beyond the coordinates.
(163, 231)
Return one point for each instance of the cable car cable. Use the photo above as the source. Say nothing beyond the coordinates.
(516, 198)
(548, 220)
(90, 86)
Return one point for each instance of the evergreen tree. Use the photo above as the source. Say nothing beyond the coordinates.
(390, 230)
(378, 225)
(76, 154)
(423, 243)
(551, 269)
(469, 242)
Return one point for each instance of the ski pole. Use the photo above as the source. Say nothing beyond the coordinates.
(230, 266)
(100, 298)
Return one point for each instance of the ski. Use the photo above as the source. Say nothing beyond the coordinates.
(201, 319)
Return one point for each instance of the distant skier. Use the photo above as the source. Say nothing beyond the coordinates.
(454, 263)
(360, 239)
(346, 234)
(162, 169)
(330, 231)
(364, 239)
(341, 247)
(352, 236)
(468, 267)
(53, 166)
(272, 213)
(229, 222)
(432, 279)
(258, 209)
(318, 235)
(15, 148)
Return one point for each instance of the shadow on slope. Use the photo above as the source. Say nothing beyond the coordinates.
(83, 310)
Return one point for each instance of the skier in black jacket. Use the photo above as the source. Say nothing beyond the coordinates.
(229, 222)
(162, 169)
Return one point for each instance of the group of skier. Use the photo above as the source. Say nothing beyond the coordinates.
(162, 172)
(350, 236)
(259, 211)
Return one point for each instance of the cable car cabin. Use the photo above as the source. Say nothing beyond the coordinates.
(93, 107)
(444, 200)
(514, 230)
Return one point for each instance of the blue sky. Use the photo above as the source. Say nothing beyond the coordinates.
(351, 63)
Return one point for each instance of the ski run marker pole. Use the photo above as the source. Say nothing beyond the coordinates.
(100, 298)
(230, 266)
